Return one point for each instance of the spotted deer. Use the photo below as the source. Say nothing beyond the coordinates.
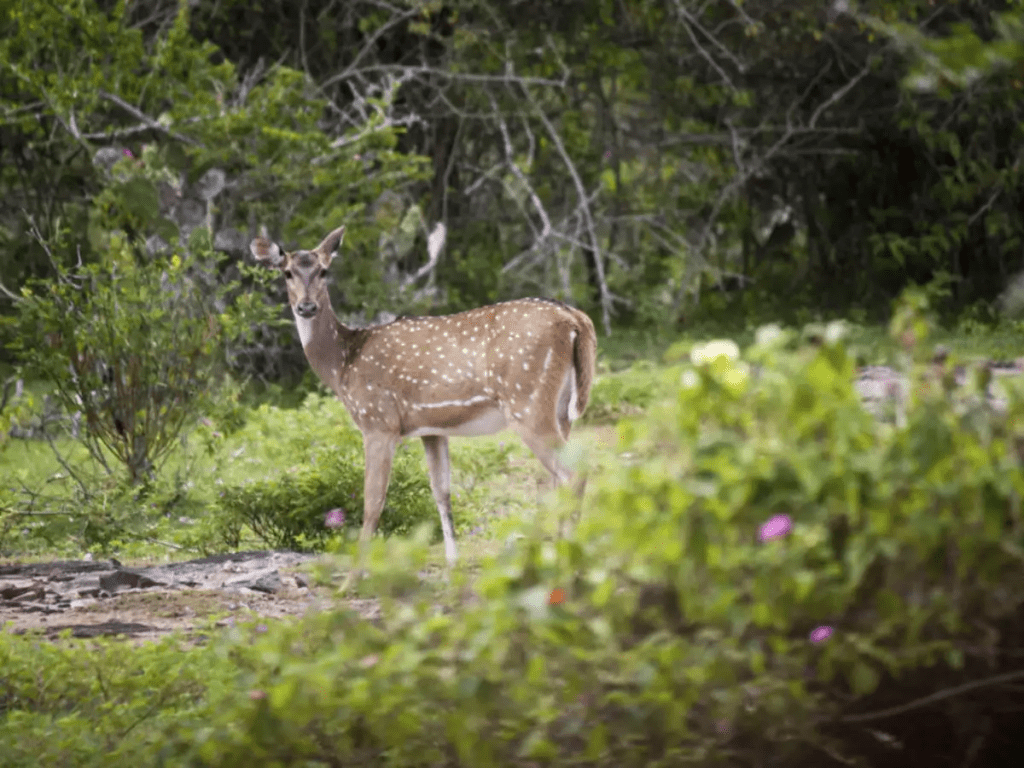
(526, 365)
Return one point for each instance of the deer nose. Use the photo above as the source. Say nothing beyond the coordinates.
(305, 309)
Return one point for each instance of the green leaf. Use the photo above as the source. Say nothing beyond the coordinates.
(139, 197)
(763, 615)
(863, 678)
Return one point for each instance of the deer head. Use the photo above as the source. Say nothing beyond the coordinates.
(305, 272)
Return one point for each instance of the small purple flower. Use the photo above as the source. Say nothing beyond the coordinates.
(128, 153)
(775, 527)
(821, 633)
(335, 518)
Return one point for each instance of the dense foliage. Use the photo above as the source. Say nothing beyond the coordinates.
(767, 578)
(633, 159)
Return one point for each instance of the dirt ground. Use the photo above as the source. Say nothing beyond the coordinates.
(94, 598)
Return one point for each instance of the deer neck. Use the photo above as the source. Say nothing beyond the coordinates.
(329, 345)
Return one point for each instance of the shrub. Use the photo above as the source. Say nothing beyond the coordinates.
(100, 703)
(625, 393)
(771, 558)
(771, 566)
(135, 347)
(311, 462)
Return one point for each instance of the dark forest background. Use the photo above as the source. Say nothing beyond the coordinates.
(652, 162)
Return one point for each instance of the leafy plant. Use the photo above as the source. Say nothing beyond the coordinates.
(314, 465)
(767, 568)
(130, 345)
(770, 557)
(625, 393)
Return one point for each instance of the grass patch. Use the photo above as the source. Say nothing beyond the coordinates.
(45, 511)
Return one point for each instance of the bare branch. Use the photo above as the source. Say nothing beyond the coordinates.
(67, 468)
(38, 107)
(371, 43)
(118, 133)
(144, 118)
(517, 172)
(690, 23)
(435, 244)
(448, 173)
(8, 293)
(743, 175)
(454, 77)
(948, 693)
(374, 117)
(837, 95)
(249, 81)
(988, 204)
(594, 244)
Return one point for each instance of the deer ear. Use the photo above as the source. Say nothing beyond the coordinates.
(330, 244)
(265, 250)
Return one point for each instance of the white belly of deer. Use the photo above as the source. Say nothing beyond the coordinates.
(484, 423)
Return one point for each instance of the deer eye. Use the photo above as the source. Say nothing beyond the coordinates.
(287, 274)
(323, 272)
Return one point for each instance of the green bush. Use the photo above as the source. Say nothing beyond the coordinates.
(311, 461)
(625, 393)
(98, 704)
(668, 630)
(135, 347)
(770, 564)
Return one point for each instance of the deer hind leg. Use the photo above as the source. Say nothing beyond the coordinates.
(544, 420)
(378, 453)
(544, 426)
(439, 466)
(545, 446)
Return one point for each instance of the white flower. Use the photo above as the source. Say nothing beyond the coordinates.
(835, 332)
(768, 335)
(713, 349)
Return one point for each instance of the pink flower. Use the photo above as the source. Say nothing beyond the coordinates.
(821, 633)
(775, 527)
(335, 518)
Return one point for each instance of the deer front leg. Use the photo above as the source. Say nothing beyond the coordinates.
(440, 470)
(378, 455)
